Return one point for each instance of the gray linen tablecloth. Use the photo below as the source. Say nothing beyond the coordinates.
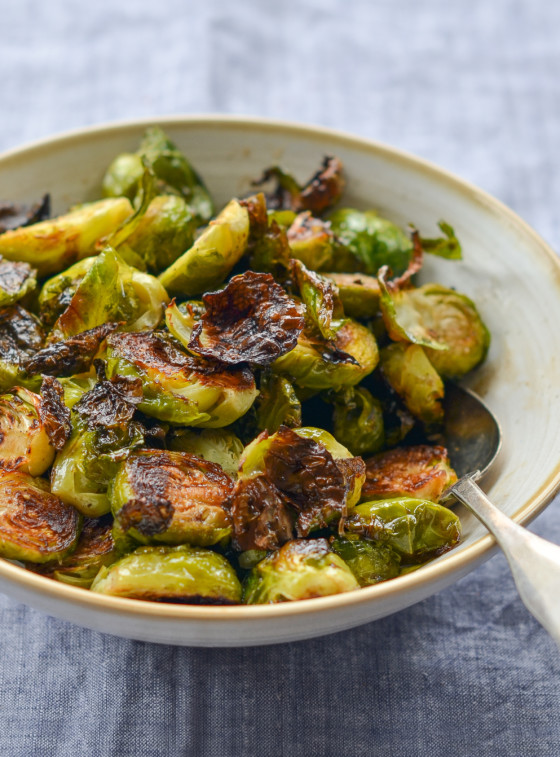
(472, 85)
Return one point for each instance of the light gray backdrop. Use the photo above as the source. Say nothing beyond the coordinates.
(472, 85)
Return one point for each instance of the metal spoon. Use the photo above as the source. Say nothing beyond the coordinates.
(473, 439)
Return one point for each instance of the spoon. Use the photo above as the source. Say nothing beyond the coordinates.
(473, 439)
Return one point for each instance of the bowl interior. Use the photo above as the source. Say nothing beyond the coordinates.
(509, 272)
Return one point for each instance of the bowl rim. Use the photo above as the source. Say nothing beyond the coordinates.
(455, 563)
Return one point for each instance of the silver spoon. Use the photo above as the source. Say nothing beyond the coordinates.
(473, 439)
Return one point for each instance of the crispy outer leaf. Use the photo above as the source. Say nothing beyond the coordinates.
(21, 336)
(320, 296)
(148, 516)
(72, 355)
(53, 412)
(16, 280)
(261, 516)
(252, 320)
(14, 215)
(110, 403)
(278, 404)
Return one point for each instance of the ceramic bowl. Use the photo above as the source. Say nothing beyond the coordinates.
(507, 269)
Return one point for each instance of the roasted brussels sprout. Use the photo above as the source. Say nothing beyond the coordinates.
(183, 574)
(206, 264)
(21, 336)
(35, 525)
(422, 471)
(409, 372)
(57, 292)
(358, 420)
(312, 241)
(173, 498)
(369, 561)
(277, 404)
(323, 306)
(315, 364)
(50, 246)
(177, 387)
(95, 548)
(445, 322)
(298, 570)
(111, 290)
(217, 445)
(70, 356)
(16, 281)
(24, 442)
(359, 294)
(416, 528)
(447, 246)
(13, 215)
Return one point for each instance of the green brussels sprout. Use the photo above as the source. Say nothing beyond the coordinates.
(447, 246)
(178, 388)
(369, 561)
(358, 420)
(35, 525)
(415, 528)
(24, 442)
(312, 242)
(217, 445)
(312, 364)
(171, 497)
(206, 264)
(445, 322)
(17, 280)
(57, 292)
(413, 377)
(422, 471)
(21, 336)
(95, 549)
(298, 570)
(371, 240)
(164, 232)
(277, 404)
(270, 252)
(359, 293)
(172, 170)
(183, 574)
(51, 246)
(111, 290)
(324, 310)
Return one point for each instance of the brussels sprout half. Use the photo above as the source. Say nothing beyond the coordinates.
(24, 442)
(171, 497)
(183, 574)
(21, 335)
(51, 246)
(358, 420)
(177, 387)
(369, 561)
(298, 570)
(35, 525)
(217, 445)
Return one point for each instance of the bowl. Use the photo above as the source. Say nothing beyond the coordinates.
(509, 271)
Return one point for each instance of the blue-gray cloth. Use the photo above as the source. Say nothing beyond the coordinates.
(472, 85)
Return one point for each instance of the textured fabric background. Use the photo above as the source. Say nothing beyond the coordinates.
(472, 85)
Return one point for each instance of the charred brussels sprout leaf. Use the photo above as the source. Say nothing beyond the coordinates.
(21, 336)
(298, 570)
(373, 241)
(412, 376)
(369, 561)
(252, 320)
(35, 525)
(182, 574)
(358, 420)
(422, 471)
(72, 355)
(172, 497)
(54, 414)
(206, 264)
(179, 388)
(270, 253)
(57, 292)
(278, 404)
(217, 445)
(317, 364)
(13, 215)
(417, 529)
(16, 281)
(50, 246)
(262, 518)
(320, 296)
(447, 246)
(24, 442)
(112, 291)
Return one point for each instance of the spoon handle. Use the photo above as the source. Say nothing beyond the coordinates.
(534, 562)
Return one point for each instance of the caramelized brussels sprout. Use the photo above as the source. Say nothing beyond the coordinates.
(172, 497)
(445, 322)
(409, 372)
(95, 549)
(206, 264)
(369, 561)
(358, 420)
(277, 405)
(16, 281)
(24, 443)
(51, 246)
(35, 525)
(298, 570)
(359, 294)
(320, 296)
(422, 471)
(112, 291)
(314, 364)
(70, 356)
(271, 251)
(57, 292)
(217, 445)
(312, 241)
(177, 387)
(416, 528)
(21, 336)
(183, 574)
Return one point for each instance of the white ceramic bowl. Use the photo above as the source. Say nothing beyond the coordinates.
(507, 269)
